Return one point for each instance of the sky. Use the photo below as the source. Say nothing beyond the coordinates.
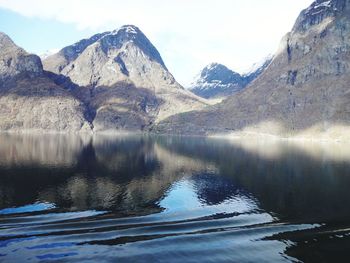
(189, 34)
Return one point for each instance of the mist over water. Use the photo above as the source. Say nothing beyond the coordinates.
(172, 199)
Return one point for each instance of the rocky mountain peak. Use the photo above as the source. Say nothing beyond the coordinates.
(216, 72)
(111, 45)
(5, 42)
(127, 30)
(216, 81)
(130, 34)
(318, 11)
(15, 61)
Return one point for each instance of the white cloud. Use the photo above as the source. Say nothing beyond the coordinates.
(188, 33)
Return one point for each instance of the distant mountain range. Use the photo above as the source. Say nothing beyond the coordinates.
(217, 81)
(117, 81)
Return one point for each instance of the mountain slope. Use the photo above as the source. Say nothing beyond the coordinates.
(216, 81)
(29, 100)
(126, 83)
(304, 91)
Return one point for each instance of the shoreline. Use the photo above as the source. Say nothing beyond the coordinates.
(243, 135)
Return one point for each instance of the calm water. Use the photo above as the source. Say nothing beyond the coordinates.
(168, 199)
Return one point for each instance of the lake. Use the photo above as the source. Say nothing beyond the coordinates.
(135, 198)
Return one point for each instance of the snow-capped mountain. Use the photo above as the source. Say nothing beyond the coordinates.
(218, 81)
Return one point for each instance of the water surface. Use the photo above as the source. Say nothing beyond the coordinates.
(171, 199)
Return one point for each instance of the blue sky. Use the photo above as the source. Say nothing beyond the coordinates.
(189, 34)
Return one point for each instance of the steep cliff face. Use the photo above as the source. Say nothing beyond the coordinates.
(31, 101)
(305, 89)
(129, 86)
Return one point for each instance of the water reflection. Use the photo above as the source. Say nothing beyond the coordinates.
(171, 199)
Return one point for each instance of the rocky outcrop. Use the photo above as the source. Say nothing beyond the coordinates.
(29, 100)
(127, 85)
(216, 81)
(305, 89)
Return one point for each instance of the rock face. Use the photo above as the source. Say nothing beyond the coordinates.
(217, 81)
(305, 89)
(124, 80)
(29, 100)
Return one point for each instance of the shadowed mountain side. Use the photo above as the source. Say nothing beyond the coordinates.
(123, 107)
(304, 90)
(30, 100)
(37, 104)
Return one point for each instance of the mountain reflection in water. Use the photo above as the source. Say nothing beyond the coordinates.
(172, 199)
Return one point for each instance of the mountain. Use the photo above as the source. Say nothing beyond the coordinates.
(123, 80)
(304, 91)
(17, 62)
(216, 81)
(29, 100)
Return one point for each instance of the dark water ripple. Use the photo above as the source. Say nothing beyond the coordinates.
(156, 199)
